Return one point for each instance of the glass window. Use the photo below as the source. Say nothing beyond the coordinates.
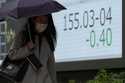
(3, 48)
(2, 39)
(2, 28)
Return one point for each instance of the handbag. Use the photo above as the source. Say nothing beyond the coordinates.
(13, 70)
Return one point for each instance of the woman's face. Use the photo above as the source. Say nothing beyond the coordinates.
(41, 23)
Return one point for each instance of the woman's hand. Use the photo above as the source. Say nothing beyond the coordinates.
(30, 45)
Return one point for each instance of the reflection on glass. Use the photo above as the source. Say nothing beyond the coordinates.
(10, 33)
(6, 37)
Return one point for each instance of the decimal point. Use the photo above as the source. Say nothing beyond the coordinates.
(87, 40)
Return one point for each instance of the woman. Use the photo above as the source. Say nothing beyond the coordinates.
(43, 36)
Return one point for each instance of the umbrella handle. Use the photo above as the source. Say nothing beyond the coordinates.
(29, 34)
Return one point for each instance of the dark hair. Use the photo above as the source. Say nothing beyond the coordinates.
(49, 33)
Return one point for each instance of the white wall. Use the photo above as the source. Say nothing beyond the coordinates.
(68, 3)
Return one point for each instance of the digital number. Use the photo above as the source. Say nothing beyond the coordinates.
(71, 21)
(92, 38)
(102, 16)
(92, 19)
(76, 16)
(85, 19)
(106, 37)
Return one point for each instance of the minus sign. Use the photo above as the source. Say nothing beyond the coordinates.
(87, 40)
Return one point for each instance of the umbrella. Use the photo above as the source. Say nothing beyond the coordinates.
(28, 8)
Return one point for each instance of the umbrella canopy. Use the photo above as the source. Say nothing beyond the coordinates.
(28, 8)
